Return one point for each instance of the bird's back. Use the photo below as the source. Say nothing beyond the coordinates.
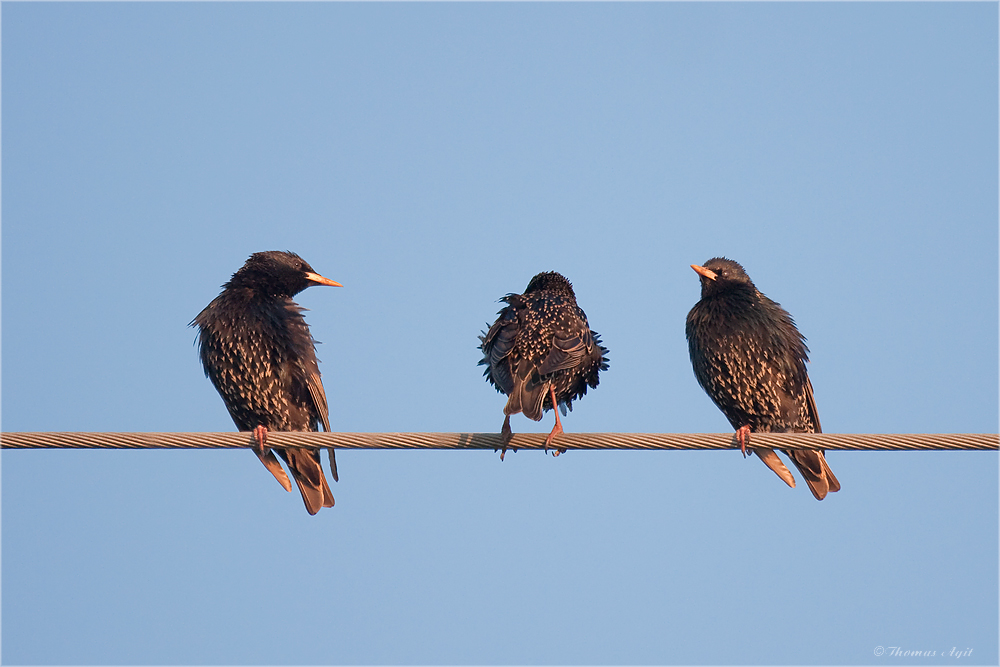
(542, 338)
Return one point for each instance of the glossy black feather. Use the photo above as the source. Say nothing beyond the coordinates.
(751, 359)
(257, 350)
(542, 338)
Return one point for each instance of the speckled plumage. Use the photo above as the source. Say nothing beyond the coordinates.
(257, 350)
(541, 347)
(750, 358)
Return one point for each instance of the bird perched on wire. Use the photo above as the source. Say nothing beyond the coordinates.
(751, 360)
(541, 353)
(257, 350)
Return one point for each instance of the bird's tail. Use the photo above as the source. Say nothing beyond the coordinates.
(815, 470)
(308, 474)
(333, 464)
(271, 463)
(772, 461)
(527, 397)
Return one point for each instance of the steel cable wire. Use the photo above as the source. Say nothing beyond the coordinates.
(634, 441)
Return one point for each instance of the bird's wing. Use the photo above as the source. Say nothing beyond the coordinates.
(812, 464)
(318, 395)
(532, 383)
(811, 406)
(566, 353)
(497, 345)
(501, 339)
(297, 360)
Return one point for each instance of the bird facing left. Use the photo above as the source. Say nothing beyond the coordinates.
(258, 352)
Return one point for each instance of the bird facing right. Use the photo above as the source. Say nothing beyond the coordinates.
(257, 350)
(750, 358)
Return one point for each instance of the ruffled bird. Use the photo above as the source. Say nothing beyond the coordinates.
(751, 360)
(541, 353)
(257, 350)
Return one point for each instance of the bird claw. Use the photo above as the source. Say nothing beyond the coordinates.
(557, 429)
(548, 442)
(267, 457)
(260, 440)
(503, 450)
(743, 435)
(506, 435)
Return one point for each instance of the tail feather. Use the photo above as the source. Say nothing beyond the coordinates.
(815, 470)
(333, 464)
(271, 463)
(513, 401)
(771, 460)
(309, 477)
(533, 399)
(527, 398)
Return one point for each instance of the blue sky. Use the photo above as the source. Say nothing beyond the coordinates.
(432, 158)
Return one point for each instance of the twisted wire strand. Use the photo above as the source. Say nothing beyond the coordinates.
(635, 441)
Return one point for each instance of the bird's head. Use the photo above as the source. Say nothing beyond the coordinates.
(276, 273)
(720, 275)
(550, 281)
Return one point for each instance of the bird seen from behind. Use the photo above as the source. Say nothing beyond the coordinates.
(750, 358)
(257, 350)
(541, 353)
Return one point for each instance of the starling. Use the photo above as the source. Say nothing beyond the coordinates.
(257, 350)
(541, 352)
(751, 360)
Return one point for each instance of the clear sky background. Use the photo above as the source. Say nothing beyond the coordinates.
(432, 158)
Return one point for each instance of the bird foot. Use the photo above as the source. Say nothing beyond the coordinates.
(743, 435)
(506, 436)
(556, 430)
(268, 458)
(260, 438)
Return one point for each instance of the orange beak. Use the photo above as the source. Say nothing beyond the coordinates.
(320, 280)
(702, 271)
